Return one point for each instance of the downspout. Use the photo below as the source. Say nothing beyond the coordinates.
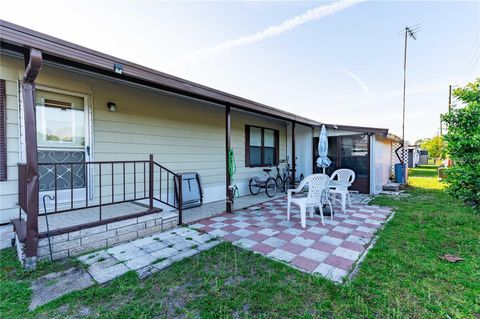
(34, 65)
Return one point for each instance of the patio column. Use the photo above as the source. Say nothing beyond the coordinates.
(293, 153)
(313, 152)
(34, 65)
(229, 197)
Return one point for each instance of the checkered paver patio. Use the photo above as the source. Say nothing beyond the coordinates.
(330, 250)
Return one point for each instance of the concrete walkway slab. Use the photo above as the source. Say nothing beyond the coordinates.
(147, 255)
(55, 285)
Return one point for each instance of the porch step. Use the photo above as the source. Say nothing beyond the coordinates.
(391, 187)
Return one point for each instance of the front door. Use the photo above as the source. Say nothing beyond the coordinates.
(351, 152)
(62, 137)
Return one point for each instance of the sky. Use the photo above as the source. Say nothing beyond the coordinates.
(333, 61)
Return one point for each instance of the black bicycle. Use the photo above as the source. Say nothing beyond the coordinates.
(291, 182)
(265, 181)
(283, 181)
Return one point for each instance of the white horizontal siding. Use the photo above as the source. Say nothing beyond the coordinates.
(182, 135)
(10, 68)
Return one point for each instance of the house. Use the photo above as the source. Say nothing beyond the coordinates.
(413, 155)
(423, 157)
(100, 143)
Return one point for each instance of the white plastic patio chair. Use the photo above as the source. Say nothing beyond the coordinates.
(342, 175)
(317, 191)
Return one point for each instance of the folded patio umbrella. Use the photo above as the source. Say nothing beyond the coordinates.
(322, 160)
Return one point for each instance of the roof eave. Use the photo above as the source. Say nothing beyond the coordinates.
(57, 49)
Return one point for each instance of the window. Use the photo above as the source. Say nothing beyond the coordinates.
(60, 120)
(261, 147)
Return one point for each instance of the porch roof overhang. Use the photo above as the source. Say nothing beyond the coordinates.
(360, 129)
(17, 38)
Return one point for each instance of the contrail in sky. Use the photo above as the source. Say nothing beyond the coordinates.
(272, 31)
(364, 86)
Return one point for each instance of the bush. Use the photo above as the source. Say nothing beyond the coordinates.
(463, 144)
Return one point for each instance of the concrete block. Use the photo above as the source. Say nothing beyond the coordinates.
(163, 264)
(94, 257)
(88, 247)
(211, 244)
(149, 217)
(121, 223)
(140, 262)
(53, 239)
(184, 254)
(55, 285)
(121, 238)
(99, 236)
(66, 245)
(165, 253)
(93, 230)
(130, 229)
(110, 273)
(74, 234)
(148, 231)
(150, 223)
(158, 221)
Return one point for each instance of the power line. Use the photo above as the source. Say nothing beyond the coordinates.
(471, 59)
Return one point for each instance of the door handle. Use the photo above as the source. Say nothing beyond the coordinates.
(87, 149)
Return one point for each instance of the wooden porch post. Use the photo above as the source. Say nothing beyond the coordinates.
(293, 153)
(34, 65)
(228, 192)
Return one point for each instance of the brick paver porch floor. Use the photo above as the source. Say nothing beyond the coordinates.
(331, 250)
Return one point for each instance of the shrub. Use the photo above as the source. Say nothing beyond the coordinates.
(463, 144)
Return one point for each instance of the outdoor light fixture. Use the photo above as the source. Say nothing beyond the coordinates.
(118, 68)
(112, 106)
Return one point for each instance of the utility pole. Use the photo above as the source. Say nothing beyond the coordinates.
(409, 32)
(441, 124)
(449, 106)
(449, 98)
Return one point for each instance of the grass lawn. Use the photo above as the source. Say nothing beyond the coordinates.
(402, 276)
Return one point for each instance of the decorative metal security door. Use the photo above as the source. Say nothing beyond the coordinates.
(62, 137)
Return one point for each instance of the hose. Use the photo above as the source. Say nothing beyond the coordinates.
(232, 168)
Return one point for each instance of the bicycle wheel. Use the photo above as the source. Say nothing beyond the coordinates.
(271, 187)
(280, 183)
(253, 186)
(288, 183)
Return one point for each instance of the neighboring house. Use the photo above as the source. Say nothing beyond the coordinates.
(423, 160)
(104, 117)
(413, 156)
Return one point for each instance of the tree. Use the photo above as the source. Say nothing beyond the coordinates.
(435, 147)
(420, 141)
(463, 144)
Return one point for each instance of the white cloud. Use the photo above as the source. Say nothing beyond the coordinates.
(287, 25)
(362, 84)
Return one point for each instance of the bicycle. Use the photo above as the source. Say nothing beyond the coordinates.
(264, 181)
(283, 181)
(289, 181)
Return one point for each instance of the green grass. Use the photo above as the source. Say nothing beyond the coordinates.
(424, 171)
(402, 276)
